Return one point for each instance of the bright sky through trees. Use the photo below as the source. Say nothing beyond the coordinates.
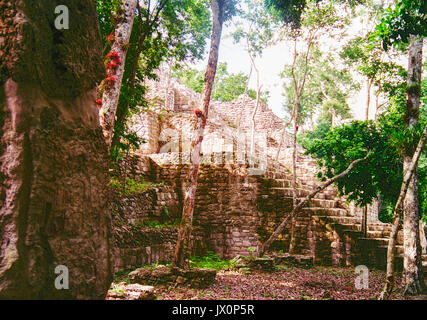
(275, 57)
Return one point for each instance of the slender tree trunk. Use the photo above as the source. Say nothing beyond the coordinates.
(294, 176)
(182, 250)
(377, 105)
(365, 221)
(252, 150)
(249, 79)
(282, 137)
(368, 98)
(258, 92)
(413, 272)
(407, 180)
(264, 247)
(111, 88)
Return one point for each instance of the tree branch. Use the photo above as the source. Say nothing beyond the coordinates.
(294, 212)
(398, 210)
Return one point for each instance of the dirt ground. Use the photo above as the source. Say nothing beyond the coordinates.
(290, 283)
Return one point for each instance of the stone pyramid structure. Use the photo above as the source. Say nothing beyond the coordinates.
(241, 196)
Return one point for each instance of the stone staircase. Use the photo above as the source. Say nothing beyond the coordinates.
(328, 230)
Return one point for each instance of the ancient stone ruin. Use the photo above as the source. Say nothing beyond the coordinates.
(241, 197)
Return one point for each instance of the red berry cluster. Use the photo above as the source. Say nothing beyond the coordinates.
(111, 64)
(113, 61)
(110, 37)
(198, 112)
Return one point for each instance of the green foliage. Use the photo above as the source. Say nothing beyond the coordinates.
(367, 56)
(326, 87)
(227, 86)
(254, 28)
(154, 224)
(168, 30)
(380, 173)
(290, 11)
(309, 138)
(209, 261)
(131, 186)
(406, 18)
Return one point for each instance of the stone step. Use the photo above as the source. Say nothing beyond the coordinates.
(302, 193)
(384, 234)
(320, 211)
(352, 227)
(289, 192)
(379, 227)
(337, 219)
(381, 241)
(399, 249)
(323, 203)
(285, 183)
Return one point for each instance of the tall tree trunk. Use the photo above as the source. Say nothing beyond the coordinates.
(258, 93)
(252, 146)
(413, 272)
(53, 158)
(294, 175)
(182, 250)
(368, 98)
(407, 180)
(264, 247)
(365, 208)
(111, 88)
(377, 104)
(282, 137)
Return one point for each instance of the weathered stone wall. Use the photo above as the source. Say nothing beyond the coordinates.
(234, 211)
(146, 126)
(135, 243)
(241, 198)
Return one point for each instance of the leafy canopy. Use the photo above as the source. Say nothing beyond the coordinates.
(398, 23)
(169, 30)
(227, 86)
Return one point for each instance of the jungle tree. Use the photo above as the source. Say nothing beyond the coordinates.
(162, 30)
(222, 10)
(255, 30)
(406, 23)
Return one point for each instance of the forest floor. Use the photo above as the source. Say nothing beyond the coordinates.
(287, 283)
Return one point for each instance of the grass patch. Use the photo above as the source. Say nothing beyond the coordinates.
(131, 186)
(210, 261)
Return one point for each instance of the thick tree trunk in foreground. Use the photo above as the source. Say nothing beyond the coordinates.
(407, 180)
(53, 157)
(111, 88)
(182, 250)
(264, 247)
(412, 264)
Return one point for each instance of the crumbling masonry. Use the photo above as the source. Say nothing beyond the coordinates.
(241, 198)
